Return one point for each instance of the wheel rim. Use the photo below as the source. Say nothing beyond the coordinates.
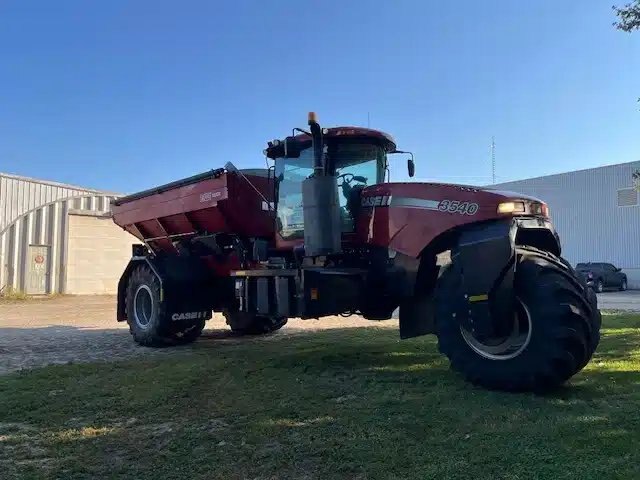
(143, 307)
(507, 347)
(600, 287)
(624, 284)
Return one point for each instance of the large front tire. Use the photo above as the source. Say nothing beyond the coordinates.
(148, 320)
(556, 328)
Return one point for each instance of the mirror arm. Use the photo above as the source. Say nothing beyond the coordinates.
(407, 153)
(296, 129)
(412, 161)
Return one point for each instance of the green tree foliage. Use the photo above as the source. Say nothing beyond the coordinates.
(628, 16)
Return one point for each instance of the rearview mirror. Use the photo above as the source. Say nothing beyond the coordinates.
(411, 167)
(618, 269)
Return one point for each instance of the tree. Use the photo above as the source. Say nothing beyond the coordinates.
(628, 16)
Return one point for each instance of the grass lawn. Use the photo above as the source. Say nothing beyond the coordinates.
(352, 403)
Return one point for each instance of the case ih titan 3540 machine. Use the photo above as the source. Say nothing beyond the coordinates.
(321, 233)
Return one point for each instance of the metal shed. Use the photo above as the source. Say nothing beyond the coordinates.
(596, 212)
(57, 238)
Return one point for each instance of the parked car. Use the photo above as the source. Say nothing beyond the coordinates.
(602, 275)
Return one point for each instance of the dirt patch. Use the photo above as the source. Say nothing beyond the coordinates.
(72, 329)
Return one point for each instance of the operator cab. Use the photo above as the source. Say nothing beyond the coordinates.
(357, 157)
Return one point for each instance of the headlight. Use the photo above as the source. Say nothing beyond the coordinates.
(511, 207)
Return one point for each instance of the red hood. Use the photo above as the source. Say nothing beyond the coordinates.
(426, 189)
(512, 195)
(408, 216)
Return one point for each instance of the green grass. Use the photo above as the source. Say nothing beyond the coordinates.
(352, 403)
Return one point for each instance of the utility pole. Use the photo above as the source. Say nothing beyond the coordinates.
(493, 160)
(368, 120)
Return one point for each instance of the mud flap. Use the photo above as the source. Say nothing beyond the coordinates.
(417, 308)
(121, 313)
(485, 260)
(417, 317)
(187, 289)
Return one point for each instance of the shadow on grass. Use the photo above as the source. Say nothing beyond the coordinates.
(340, 403)
(619, 345)
(618, 321)
(335, 412)
(356, 349)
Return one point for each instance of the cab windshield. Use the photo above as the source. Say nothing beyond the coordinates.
(356, 166)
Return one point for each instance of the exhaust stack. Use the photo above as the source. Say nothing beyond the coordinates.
(321, 209)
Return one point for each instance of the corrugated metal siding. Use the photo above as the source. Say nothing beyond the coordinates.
(35, 212)
(19, 195)
(584, 209)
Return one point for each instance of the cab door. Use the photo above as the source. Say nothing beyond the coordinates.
(289, 175)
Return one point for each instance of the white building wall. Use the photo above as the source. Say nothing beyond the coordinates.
(585, 211)
(35, 212)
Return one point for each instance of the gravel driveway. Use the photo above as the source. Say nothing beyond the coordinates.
(83, 329)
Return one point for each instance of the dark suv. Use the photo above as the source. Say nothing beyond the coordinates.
(602, 275)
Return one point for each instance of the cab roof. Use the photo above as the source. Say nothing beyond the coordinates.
(383, 139)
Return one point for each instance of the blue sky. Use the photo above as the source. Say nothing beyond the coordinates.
(123, 95)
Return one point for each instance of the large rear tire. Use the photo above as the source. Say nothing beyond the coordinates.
(148, 321)
(243, 323)
(555, 330)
